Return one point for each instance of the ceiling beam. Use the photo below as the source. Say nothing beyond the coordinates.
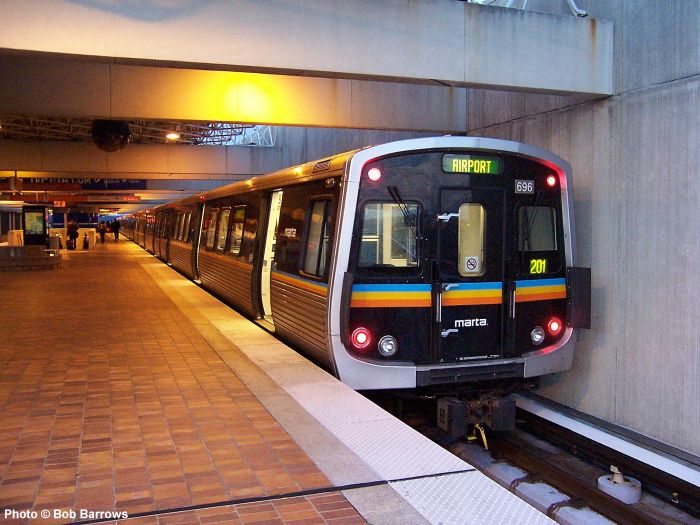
(62, 87)
(417, 41)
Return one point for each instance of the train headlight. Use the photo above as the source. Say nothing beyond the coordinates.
(537, 335)
(387, 346)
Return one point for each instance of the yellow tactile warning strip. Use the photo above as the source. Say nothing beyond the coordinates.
(111, 400)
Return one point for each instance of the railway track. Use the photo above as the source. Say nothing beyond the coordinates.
(542, 453)
(567, 474)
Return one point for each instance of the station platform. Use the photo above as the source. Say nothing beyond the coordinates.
(128, 394)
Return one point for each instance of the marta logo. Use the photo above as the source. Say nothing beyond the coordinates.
(468, 323)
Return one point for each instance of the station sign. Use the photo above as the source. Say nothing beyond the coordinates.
(72, 184)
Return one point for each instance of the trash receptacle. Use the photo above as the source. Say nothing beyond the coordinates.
(54, 242)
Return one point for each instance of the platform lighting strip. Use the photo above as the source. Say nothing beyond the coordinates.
(645, 455)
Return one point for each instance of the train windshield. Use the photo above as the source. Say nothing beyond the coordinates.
(389, 236)
(538, 229)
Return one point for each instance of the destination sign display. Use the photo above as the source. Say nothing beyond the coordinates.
(471, 164)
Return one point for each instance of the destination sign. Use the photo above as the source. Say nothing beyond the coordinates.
(471, 164)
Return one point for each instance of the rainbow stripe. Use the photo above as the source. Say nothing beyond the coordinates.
(391, 296)
(540, 290)
(466, 294)
(304, 284)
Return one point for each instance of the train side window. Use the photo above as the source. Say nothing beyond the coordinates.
(222, 229)
(182, 229)
(236, 234)
(537, 230)
(186, 235)
(211, 228)
(178, 226)
(471, 239)
(389, 236)
(317, 237)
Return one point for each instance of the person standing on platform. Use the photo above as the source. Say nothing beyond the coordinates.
(115, 229)
(102, 230)
(72, 233)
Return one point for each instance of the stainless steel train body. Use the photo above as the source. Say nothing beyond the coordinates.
(422, 262)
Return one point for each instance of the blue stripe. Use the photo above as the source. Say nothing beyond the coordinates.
(391, 288)
(474, 286)
(540, 282)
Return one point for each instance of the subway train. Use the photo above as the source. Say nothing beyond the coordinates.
(433, 262)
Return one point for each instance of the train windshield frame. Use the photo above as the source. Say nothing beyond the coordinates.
(389, 243)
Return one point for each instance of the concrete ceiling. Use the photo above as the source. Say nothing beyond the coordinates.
(403, 65)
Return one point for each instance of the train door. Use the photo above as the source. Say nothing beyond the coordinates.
(468, 281)
(269, 253)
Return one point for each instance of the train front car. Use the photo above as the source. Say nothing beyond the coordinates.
(459, 266)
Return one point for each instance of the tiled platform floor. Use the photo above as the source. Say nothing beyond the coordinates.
(110, 399)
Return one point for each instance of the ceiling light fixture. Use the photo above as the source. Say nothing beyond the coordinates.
(175, 134)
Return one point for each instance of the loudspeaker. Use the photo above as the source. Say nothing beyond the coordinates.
(110, 135)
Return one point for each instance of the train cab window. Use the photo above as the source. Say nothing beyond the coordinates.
(537, 229)
(222, 230)
(236, 234)
(389, 238)
(316, 248)
(471, 239)
(211, 227)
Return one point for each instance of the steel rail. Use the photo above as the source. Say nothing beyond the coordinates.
(546, 466)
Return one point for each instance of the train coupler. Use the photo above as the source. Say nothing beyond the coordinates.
(455, 416)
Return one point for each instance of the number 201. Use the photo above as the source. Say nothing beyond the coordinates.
(538, 266)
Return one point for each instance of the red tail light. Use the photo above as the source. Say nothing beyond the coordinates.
(554, 326)
(361, 338)
(551, 181)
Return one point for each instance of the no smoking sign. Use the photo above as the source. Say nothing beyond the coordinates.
(471, 264)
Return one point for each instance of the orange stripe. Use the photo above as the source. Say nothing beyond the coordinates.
(300, 283)
(539, 297)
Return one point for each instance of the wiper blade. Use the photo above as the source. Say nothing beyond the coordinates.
(394, 192)
(410, 221)
(531, 220)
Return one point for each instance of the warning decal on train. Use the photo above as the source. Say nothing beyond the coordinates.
(471, 264)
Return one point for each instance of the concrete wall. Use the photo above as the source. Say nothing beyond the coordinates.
(636, 163)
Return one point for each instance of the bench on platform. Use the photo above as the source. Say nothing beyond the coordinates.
(18, 258)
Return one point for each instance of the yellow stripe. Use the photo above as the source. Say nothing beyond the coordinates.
(388, 303)
(378, 296)
(300, 283)
(466, 301)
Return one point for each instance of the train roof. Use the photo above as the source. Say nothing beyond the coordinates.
(335, 164)
(314, 170)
